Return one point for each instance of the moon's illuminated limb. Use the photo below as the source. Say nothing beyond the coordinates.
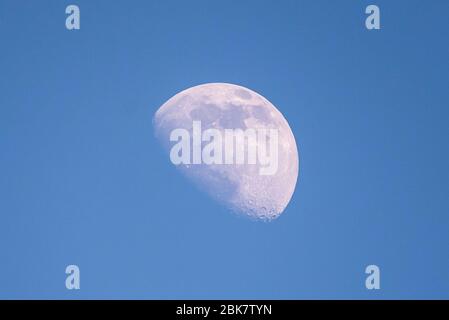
(239, 187)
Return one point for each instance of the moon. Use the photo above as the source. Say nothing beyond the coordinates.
(238, 187)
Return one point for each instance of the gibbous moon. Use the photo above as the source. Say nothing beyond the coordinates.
(239, 187)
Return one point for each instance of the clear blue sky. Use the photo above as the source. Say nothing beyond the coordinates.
(84, 182)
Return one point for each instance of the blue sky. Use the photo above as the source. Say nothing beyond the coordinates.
(84, 182)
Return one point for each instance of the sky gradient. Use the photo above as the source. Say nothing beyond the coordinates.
(83, 180)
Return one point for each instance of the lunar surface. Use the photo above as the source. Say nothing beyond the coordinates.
(239, 187)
